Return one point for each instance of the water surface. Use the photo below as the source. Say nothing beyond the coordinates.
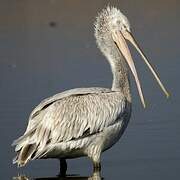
(47, 46)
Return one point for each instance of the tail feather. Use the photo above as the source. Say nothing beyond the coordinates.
(25, 154)
(23, 137)
(15, 159)
(19, 146)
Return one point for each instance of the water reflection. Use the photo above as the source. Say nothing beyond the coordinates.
(95, 176)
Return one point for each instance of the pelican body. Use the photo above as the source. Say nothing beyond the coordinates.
(87, 121)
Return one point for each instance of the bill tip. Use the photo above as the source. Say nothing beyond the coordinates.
(144, 105)
(167, 95)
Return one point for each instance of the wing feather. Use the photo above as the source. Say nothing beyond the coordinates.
(56, 97)
(70, 116)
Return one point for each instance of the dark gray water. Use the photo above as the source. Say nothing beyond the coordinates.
(47, 46)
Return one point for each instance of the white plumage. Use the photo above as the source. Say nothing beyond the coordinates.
(63, 125)
(86, 121)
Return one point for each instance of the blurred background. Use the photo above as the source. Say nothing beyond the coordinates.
(48, 46)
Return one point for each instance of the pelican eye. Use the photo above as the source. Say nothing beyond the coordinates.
(124, 26)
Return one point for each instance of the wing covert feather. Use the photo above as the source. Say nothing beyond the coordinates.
(69, 117)
(76, 91)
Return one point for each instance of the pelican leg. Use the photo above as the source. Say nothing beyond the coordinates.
(63, 167)
(95, 156)
(96, 166)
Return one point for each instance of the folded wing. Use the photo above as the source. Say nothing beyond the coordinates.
(68, 116)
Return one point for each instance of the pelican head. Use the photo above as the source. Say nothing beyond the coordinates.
(112, 29)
